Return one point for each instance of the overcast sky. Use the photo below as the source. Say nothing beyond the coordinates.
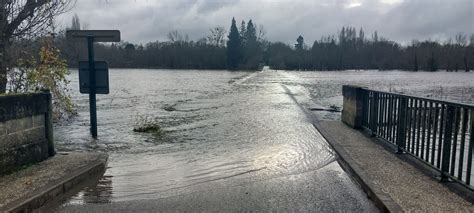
(399, 20)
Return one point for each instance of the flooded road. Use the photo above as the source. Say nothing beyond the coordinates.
(232, 141)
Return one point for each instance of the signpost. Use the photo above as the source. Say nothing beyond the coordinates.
(88, 69)
(101, 77)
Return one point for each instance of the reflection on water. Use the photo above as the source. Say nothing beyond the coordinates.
(99, 193)
(223, 127)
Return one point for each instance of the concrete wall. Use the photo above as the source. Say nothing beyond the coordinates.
(352, 105)
(25, 130)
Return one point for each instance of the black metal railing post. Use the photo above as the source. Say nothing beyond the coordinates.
(374, 114)
(402, 124)
(448, 132)
(470, 149)
(437, 132)
(365, 108)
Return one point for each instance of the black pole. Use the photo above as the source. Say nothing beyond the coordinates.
(448, 136)
(92, 98)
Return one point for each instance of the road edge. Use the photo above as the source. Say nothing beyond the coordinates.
(382, 200)
(50, 192)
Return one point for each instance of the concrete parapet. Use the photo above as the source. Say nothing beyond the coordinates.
(353, 105)
(24, 124)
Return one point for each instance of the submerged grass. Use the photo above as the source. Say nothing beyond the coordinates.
(147, 124)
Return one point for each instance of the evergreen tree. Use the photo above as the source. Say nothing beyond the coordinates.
(299, 43)
(242, 31)
(250, 33)
(251, 48)
(233, 47)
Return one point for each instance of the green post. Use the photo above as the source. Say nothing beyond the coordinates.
(92, 91)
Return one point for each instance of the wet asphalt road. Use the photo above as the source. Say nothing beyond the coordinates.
(262, 154)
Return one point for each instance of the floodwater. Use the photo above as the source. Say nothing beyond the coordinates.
(225, 133)
(325, 88)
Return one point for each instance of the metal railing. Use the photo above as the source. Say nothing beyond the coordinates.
(437, 132)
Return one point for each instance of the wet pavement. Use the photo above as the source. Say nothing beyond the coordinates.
(396, 180)
(233, 141)
(30, 187)
(237, 142)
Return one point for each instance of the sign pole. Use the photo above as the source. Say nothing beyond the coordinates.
(91, 36)
(92, 94)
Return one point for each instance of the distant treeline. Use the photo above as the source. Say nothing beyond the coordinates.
(351, 49)
(246, 49)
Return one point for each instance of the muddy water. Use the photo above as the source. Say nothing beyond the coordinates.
(221, 130)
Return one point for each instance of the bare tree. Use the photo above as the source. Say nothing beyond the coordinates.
(217, 36)
(174, 36)
(85, 25)
(25, 18)
(75, 23)
(461, 39)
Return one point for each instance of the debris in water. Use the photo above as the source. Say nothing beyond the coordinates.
(147, 124)
(169, 108)
(332, 108)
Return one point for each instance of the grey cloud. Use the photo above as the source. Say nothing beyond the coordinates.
(437, 20)
(284, 20)
(212, 6)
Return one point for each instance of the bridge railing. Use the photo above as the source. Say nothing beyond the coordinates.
(437, 132)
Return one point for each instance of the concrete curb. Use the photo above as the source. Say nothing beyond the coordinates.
(382, 200)
(45, 195)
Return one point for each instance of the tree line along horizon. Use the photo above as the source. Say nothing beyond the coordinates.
(247, 49)
(35, 56)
